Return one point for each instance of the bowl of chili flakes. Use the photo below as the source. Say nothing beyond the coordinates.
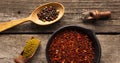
(73, 44)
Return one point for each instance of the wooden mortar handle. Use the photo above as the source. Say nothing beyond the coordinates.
(6, 25)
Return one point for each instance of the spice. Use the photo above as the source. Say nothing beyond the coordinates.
(71, 46)
(30, 47)
(49, 13)
(29, 50)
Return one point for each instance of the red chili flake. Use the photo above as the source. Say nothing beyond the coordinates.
(71, 46)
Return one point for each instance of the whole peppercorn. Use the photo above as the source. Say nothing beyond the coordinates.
(49, 13)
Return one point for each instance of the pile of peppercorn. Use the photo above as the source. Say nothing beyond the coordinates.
(49, 13)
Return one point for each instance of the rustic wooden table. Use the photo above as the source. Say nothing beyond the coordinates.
(13, 40)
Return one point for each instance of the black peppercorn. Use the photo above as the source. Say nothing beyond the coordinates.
(49, 13)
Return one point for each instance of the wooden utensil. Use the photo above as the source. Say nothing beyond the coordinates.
(34, 18)
(29, 50)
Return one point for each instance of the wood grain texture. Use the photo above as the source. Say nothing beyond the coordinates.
(12, 45)
(74, 9)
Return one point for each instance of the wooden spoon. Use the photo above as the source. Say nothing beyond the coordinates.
(34, 18)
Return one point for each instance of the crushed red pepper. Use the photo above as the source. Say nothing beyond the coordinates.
(71, 46)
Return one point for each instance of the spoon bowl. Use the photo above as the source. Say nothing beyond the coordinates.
(34, 18)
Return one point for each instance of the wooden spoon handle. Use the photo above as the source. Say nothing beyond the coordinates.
(7, 25)
(21, 59)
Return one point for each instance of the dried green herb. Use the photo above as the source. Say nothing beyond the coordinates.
(30, 47)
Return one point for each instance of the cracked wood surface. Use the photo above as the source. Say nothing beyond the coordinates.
(12, 45)
(74, 9)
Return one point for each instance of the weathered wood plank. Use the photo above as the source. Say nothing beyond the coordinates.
(33, 28)
(11, 10)
(12, 45)
(64, 0)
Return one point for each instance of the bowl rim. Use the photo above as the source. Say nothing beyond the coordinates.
(68, 26)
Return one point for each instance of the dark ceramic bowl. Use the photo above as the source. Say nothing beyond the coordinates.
(92, 36)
